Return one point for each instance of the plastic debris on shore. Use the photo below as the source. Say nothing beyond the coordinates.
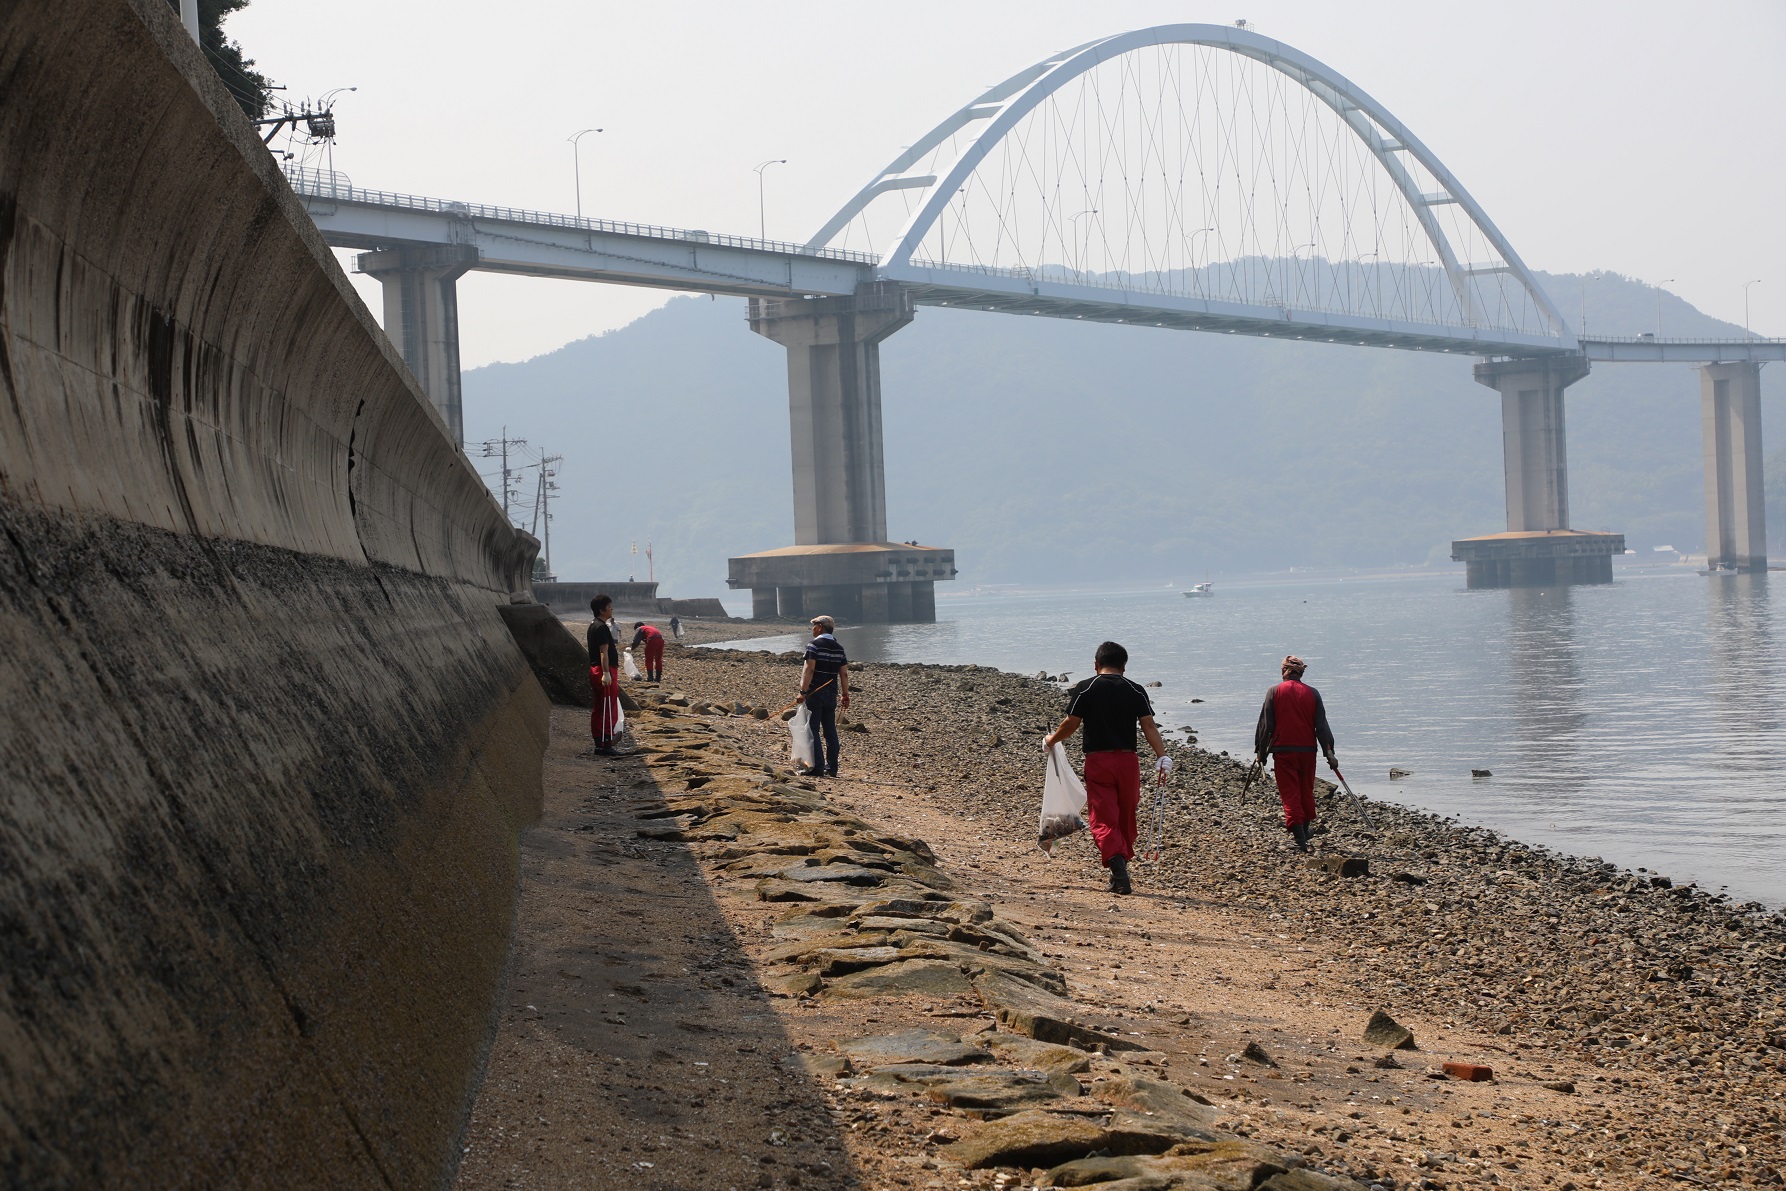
(1063, 801)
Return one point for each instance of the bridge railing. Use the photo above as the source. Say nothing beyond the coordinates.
(334, 186)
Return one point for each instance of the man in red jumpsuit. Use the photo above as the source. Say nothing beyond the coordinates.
(654, 650)
(1111, 707)
(1291, 723)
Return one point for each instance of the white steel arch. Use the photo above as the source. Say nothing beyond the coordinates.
(1002, 107)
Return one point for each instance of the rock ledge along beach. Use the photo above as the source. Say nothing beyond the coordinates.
(729, 976)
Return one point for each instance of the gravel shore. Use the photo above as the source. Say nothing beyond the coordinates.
(1660, 1008)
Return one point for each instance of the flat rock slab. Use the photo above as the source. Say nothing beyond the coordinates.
(913, 1046)
(1152, 1116)
(1028, 1139)
(1022, 1008)
(909, 977)
(1221, 1166)
(848, 874)
(1020, 1051)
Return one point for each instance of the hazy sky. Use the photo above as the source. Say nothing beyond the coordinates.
(1636, 136)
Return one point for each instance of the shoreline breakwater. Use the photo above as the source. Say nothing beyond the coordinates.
(267, 743)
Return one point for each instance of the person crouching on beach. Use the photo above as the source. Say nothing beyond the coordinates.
(654, 649)
(824, 684)
(604, 678)
(1110, 707)
(1292, 721)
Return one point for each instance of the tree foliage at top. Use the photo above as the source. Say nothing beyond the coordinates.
(250, 88)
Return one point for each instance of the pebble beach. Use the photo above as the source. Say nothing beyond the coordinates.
(1615, 1030)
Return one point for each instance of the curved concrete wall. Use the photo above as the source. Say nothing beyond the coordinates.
(265, 743)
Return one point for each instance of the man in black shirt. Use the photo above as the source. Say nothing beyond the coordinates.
(1110, 707)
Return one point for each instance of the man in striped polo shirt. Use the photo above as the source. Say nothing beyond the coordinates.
(824, 686)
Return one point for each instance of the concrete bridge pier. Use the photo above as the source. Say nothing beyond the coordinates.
(841, 563)
(1735, 509)
(421, 316)
(1538, 549)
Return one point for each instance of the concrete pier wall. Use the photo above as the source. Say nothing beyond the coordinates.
(265, 742)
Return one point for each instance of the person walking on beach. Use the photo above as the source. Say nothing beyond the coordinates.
(1291, 723)
(604, 678)
(676, 627)
(824, 685)
(654, 650)
(1111, 707)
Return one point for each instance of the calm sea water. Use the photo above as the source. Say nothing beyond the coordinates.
(1637, 721)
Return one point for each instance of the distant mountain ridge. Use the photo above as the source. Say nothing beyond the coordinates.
(1047, 450)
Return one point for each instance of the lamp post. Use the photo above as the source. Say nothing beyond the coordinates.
(1080, 252)
(1659, 286)
(1746, 286)
(1585, 278)
(577, 165)
(762, 218)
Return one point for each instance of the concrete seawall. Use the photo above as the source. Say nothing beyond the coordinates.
(265, 742)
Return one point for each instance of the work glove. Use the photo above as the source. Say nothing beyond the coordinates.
(1333, 762)
(1163, 768)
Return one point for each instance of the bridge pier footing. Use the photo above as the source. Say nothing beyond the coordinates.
(1735, 499)
(421, 316)
(841, 564)
(1538, 549)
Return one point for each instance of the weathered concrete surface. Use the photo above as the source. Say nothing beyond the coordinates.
(265, 742)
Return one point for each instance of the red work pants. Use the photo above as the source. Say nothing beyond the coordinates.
(1295, 786)
(604, 717)
(654, 656)
(1112, 792)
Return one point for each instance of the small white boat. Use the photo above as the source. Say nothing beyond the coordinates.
(1199, 589)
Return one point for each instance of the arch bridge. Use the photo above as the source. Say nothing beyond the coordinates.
(1187, 177)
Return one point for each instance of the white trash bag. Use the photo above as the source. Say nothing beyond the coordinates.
(626, 662)
(1063, 801)
(800, 742)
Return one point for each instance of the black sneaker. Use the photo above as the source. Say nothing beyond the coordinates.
(812, 772)
(1119, 876)
(607, 750)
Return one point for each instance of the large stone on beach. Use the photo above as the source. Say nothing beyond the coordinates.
(1022, 1008)
(1384, 1031)
(913, 1046)
(838, 961)
(1230, 1165)
(777, 889)
(910, 977)
(977, 1091)
(1020, 1051)
(848, 874)
(1027, 1139)
(974, 961)
(1152, 1116)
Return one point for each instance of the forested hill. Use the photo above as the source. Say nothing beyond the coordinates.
(1045, 450)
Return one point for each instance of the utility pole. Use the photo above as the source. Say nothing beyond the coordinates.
(650, 563)
(499, 448)
(548, 485)
(1659, 286)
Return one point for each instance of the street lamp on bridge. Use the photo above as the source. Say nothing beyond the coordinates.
(762, 218)
(1746, 285)
(1659, 286)
(577, 165)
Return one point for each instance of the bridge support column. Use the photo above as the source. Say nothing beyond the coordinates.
(421, 316)
(841, 564)
(1735, 510)
(1538, 549)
